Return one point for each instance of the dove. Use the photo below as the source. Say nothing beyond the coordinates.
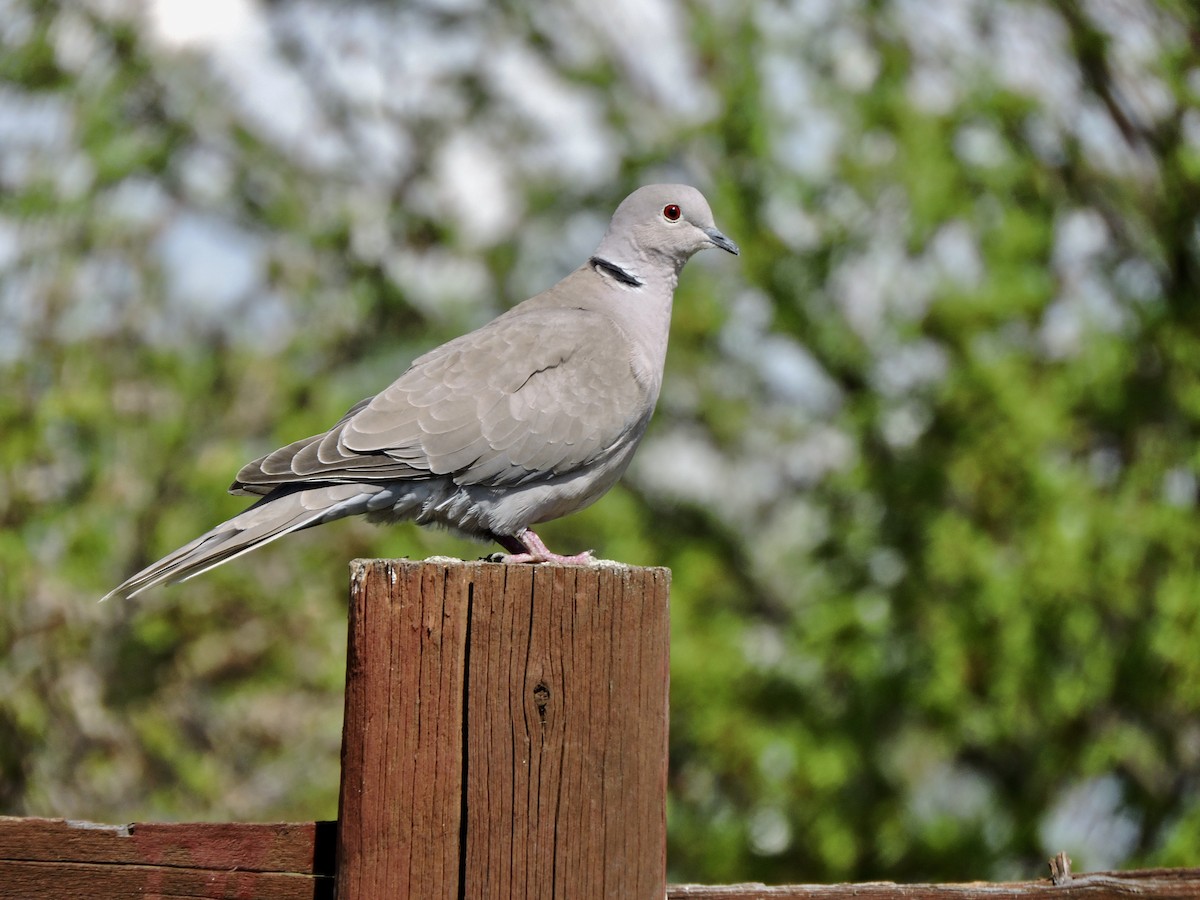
(528, 418)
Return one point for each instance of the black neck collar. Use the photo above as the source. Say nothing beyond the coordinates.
(612, 270)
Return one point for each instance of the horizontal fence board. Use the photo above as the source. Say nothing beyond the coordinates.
(60, 859)
(1158, 884)
(56, 859)
(305, 848)
(23, 880)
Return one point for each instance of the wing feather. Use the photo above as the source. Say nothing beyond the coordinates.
(524, 397)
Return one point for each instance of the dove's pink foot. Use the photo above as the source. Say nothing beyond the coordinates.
(532, 550)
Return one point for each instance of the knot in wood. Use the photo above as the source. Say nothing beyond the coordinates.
(541, 697)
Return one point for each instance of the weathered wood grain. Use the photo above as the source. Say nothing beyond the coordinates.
(1152, 884)
(56, 859)
(506, 732)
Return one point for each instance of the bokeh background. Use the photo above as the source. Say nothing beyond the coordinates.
(925, 464)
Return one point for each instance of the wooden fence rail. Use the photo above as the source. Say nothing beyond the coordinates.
(505, 736)
(55, 859)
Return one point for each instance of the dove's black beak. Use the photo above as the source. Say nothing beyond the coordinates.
(719, 240)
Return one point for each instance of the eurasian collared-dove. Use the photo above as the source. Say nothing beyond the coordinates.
(533, 416)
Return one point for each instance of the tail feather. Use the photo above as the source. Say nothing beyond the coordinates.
(271, 517)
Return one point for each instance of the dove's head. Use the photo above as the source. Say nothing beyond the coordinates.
(661, 223)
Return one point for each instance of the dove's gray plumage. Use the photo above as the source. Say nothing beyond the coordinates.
(531, 417)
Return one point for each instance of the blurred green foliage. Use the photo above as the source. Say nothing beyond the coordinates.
(958, 630)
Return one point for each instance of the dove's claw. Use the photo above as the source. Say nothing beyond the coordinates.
(531, 549)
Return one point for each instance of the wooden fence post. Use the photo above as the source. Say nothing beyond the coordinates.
(505, 732)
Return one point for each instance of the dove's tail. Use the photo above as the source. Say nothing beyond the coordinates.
(272, 517)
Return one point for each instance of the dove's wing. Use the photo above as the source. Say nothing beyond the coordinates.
(531, 395)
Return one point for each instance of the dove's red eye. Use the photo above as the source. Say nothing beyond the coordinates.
(671, 212)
